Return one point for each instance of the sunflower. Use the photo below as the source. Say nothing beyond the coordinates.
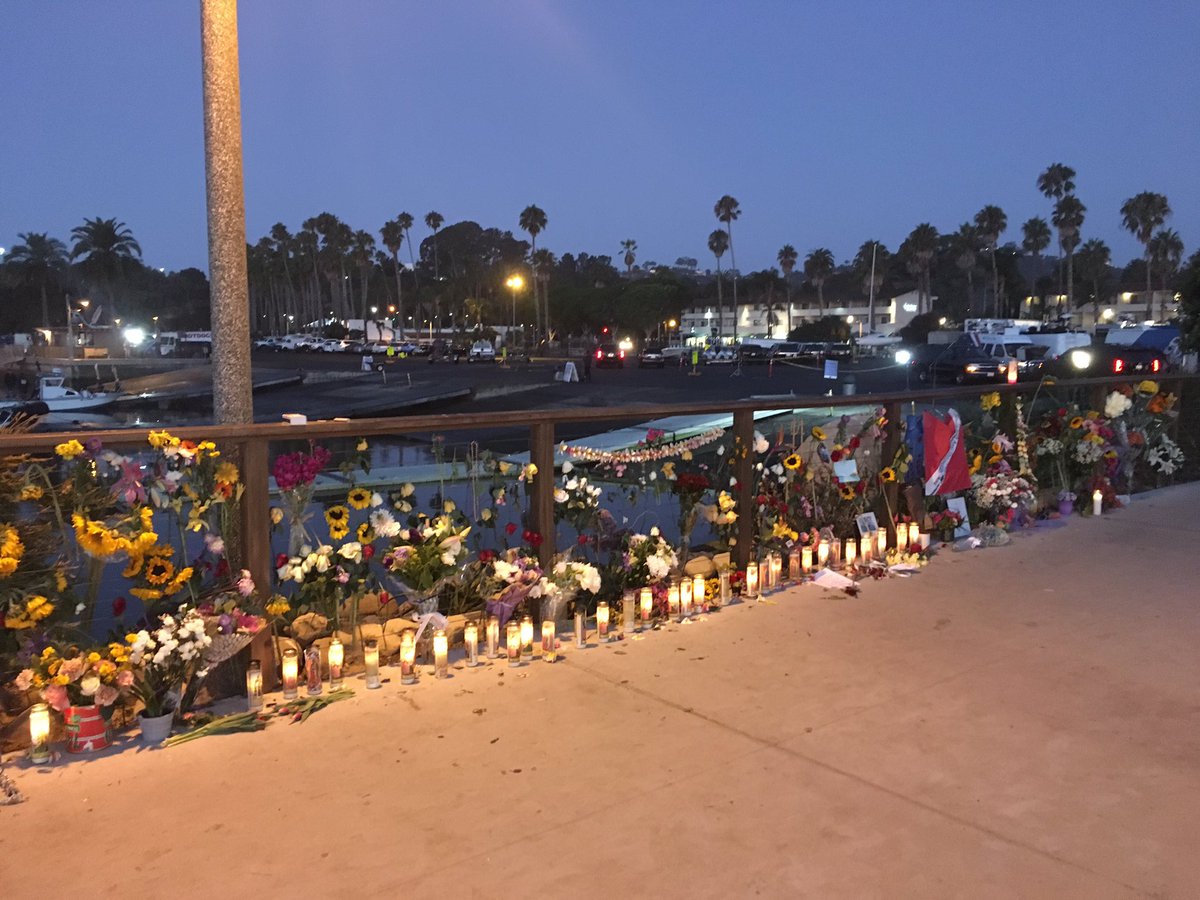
(990, 401)
(976, 463)
(159, 570)
(69, 450)
(94, 539)
(1148, 387)
(146, 594)
(365, 533)
(359, 498)
(337, 517)
(181, 578)
(887, 473)
(1076, 422)
(227, 473)
(793, 462)
(818, 434)
(847, 492)
(31, 492)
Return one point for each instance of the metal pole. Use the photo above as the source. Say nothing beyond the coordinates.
(233, 401)
(871, 303)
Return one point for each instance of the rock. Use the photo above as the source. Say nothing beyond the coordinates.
(700, 565)
(286, 643)
(309, 626)
(721, 561)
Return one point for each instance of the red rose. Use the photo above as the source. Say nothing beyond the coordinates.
(835, 456)
(486, 556)
(533, 538)
(582, 540)
(368, 551)
(510, 528)
(854, 442)
(280, 560)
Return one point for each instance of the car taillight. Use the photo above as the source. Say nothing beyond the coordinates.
(599, 354)
(1118, 366)
(621, 354)
(1155, 364)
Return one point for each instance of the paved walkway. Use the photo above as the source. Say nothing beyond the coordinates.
(1023, 721)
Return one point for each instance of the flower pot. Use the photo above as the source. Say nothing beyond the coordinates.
(87, 731)
(156, 729)
(1066, 507)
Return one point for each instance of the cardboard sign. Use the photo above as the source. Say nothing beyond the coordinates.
(846, 470)
(831, 369)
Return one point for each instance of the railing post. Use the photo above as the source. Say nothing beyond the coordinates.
(254, 539)
(541, 454)
(891, 446)
(743, 471)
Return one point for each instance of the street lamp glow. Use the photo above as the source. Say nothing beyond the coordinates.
(903, 357)
(516, 282)
(850, 320)
(134, 335)
(672, 324)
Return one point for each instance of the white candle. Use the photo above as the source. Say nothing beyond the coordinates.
(441, 655)
(291, 674)
(806, 559)
(602, 620)
(39, 730)
(580, 626)
(923, 540)
(794, 564)
(629, 611)
(726, 589)
(685, 598)
(902, 537)
(776, 570)
(512, 643)
(527, 636)
(646, 602)
(865, 547)
(673, 600)
(549, 641)
(337, 656)
(881, 541)
(1097, 502)
(254, 686)
(471, 643)
(493, 637)
(914, 535)
(835, 554)
(371, 662)
(851, 552)
(822, 553)
(752, 579)
(698, 591)
(408, 657)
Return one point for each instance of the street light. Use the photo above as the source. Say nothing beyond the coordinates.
(515, 283)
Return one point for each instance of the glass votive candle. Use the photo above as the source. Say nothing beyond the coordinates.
(698, 591)
(549, 641)
(314, 683)
(685, 598)
(254, 686)
(776, 570)
(408, 657)
(580, 626)
(441, 654)
(646, 606)
(371, 664)
(902, 537)
(851, 552)
(602, 621)
(822, 553)
(673, 600)
(493, 637)
(291, 673)
(806, 559)
(527, 636)
(512, 643)
(724, 587)
(751, 579)
(39, 729)
(914, 535)
(337, 656)
(471, 643)
(865, 545)
(629, 617)
(794, 568)
(881, 543)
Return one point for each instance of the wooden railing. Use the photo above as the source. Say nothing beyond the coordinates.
(252, 443)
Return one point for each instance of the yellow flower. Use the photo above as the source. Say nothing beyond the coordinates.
(61, 679)
(449, 507)
(31, 492)
(93, 657)
(337, 516)
(1093, 415)
(69, 450)
(668, 470)
(359, 498)
(160, 439)
(48, 653)
(996, 448)
(992, 460)
(686, 455)
(818, 434)
(793, 462)
(278, 606)
(361, 447)
(159, 570)
(887, 473)
(146, 593)
(485, 514)
(365, 533)
(95, 539)
(1076, 422)
(177, 583)
(227, 473)
(60, 580)
(847, 492)
(1148, 387)
(976, 463)
(337, 532)
(781, 530)
(990, 401)
(276, 515)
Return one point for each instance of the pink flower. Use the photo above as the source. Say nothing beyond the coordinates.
(106, 695)
(56, 696)
(72, 668)
(125, 678)
(24, 680)
(245, 584)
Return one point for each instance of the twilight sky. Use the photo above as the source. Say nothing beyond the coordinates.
(830, 123)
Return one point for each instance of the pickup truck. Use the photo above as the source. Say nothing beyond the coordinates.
(1096, 360)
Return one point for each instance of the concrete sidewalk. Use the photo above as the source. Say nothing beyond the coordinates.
(1022, 721)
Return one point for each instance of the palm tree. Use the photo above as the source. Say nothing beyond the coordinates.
(1035, 238)
(39, 258)
(433, 221)
(1055, 183)
(869, 265)
(106, 247)
(818, 266)
(718, 243)
(630, 247)
(544, 262)
(966, 243)
(533, 221)
(1141, 215)
(1166, 249)
(393, 238)
(1068, 219)
(787, 262)
(991, 223)
(362, 251)
(1094, 262)
(923, 242)
(726, 210)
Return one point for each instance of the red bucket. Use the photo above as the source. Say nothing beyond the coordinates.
(86, 729)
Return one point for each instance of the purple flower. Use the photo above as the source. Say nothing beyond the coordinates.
(225, 624)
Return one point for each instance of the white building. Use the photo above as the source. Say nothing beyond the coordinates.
(754, 320)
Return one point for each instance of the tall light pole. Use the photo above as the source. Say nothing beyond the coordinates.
(233, 400)
(515, 283)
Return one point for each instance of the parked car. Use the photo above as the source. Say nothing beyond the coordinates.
(482, 351)
(787, 350)
(332, 345)
(271, 342)
(297, 342)
(959, 363)
(651, 357)
(755, 353)
(609, 356)
(1108, 359)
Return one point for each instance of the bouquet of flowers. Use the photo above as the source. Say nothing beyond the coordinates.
(1002, 492)
(165, 660)
(647, 558)
(945, 522)
(78, 676)
(510, 579)
(576, 499)
(294, 476)
(1165, 456)
(422, 556)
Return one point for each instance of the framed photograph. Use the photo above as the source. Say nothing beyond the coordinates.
(866, 524)
(959, 505)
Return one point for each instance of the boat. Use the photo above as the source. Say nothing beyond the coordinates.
(53, 391)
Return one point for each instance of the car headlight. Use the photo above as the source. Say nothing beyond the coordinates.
(971, 367)
(903, 357)
(1081, 359)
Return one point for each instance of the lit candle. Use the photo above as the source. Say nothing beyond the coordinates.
(549, 641)
(337, 656)
(914, 534)
(923, 540)
(646, 601)
(527, 636)
(851, 552)
(865, 546)
(254, 686)
(629, 611)
(312, 671)
(512, 643)
(291, 673)
(580, 625)
(39, 732)
(902, 537)
(673, 600)
(698, 591)
(685, 598)
(602, 620)
(493, 637)
(806, 560)
(726, 589)
(1097, 502)
(794, 564)
(835, 553)
(471, 643)
(441, 654)
(752, 579)
(408, 657)
(371, 663)
(881, 542)
(822, 553)
(776, 570)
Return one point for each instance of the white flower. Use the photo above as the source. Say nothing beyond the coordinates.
(654, 531)
(567, 468)
(560, 496)
(761, 444)
(721, 450)
(376, 500)
(352, 551)
(447, 558)
(653, 475)
(214, 543)
(1116, 405)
